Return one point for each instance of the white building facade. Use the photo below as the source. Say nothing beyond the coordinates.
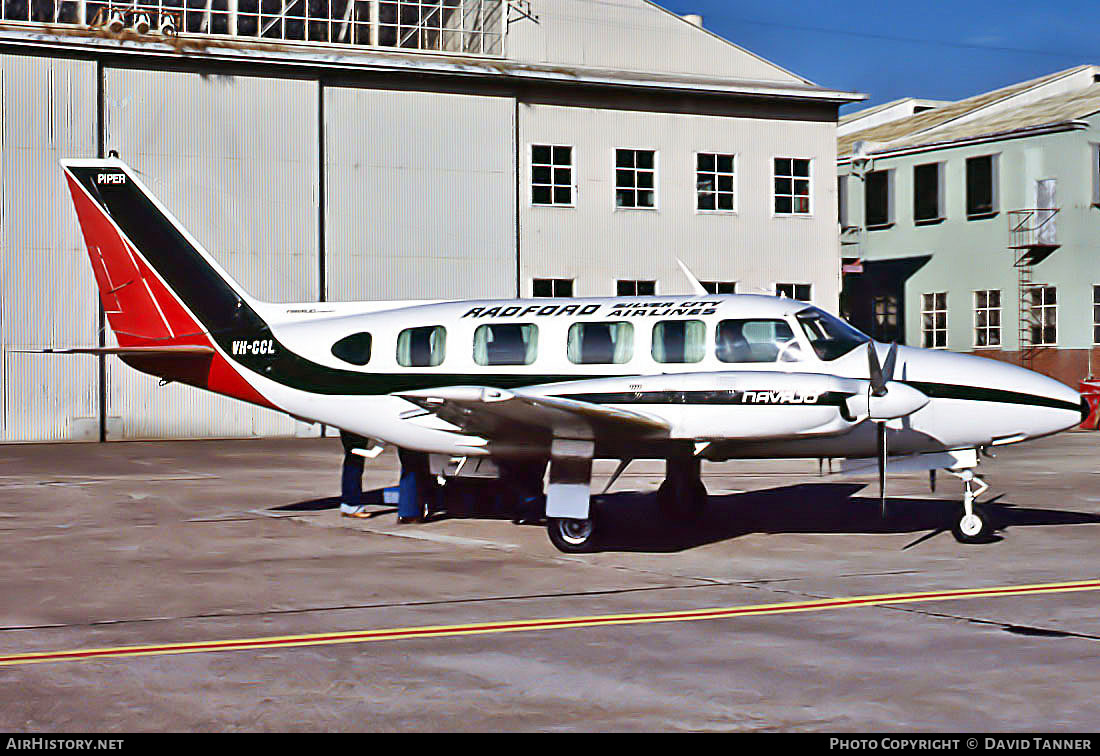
(393, 150)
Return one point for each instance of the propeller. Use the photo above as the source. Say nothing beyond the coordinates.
(880, 376)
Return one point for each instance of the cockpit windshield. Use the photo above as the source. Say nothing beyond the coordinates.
(830, 336)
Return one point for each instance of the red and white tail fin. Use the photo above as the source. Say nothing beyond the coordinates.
(175, 312)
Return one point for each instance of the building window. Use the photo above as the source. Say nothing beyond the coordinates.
(878, 199)
(720, 287)
(801, 292)
(679, 341)
(1095, 174)
(792, 186)
(1096, 314)
(422, 347)
(987, 318)
(635, 288)
(928, 193)
(636, 179)
(1043, 304)
(600, 343)
(552, 287)
(981, 186)
(933, 320)
(714, 179)
(506, 344)
(842, 201)
(884, 324)
(551, 175)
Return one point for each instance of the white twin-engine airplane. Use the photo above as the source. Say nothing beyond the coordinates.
(509, 385)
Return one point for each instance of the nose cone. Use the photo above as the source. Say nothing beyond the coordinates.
(1024, 404)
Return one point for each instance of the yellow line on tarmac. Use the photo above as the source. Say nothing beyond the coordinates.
(512, 626)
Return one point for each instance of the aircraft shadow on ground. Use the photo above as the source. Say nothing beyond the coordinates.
(631, 521)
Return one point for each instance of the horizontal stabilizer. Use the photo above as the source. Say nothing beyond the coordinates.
(178, 349)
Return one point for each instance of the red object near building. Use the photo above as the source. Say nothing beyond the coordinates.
(1090, 390)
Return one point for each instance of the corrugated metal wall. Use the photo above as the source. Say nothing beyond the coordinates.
(420, 195)
(235, 159)
(46, 288)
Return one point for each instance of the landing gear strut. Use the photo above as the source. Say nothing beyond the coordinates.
(682, 497)
(975, 526)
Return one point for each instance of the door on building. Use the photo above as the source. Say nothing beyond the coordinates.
(1046, 204)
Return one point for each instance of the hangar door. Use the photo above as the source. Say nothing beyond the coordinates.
(419, 195)
(235, 159)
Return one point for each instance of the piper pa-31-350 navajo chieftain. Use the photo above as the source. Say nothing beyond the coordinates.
(508, 386)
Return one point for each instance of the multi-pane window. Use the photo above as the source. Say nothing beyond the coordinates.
(1096, 314)
(635, 288)
(720, 287)
(981, 186)
(884, 324)
(792, 186)
(927, 192)
(714, 181)
(636, 178)
(987, 318)
(1043, 303)
(801, 292)
(552, 287)
(878, 198)
(933, 320)
(551, 175)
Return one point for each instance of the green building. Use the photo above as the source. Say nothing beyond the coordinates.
(974, 225)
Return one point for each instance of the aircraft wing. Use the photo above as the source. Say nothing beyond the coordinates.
(496, 413)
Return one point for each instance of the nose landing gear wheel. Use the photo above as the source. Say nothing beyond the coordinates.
(975, 527)
(572, 536)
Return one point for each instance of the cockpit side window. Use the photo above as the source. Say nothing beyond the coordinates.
(422, 347)
(756, 341)
(354, 348)
(830, 336)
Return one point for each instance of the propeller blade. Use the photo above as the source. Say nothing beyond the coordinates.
(878, 382)
(881, 445)
(891, 361)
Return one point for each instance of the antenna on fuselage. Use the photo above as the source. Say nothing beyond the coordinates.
(696, 288)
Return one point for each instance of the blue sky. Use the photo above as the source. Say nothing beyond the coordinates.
(887, 49)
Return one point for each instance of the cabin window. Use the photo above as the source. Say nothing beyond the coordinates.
(756, 341)
(635, 288)
(679, 341)
(933, 320)
(506, 344)
(354, 348)
(928, 193)
(422, 347)
(551, 175)
(600, 343)
(987, 318)
(981, 187)
(714, 178)
(720, 287)
(801, 292)
(552, 287)
(635, 179)
(792, 186)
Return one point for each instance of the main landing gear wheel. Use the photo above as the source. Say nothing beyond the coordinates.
(572, 536)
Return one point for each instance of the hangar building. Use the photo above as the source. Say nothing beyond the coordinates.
(370, 149)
